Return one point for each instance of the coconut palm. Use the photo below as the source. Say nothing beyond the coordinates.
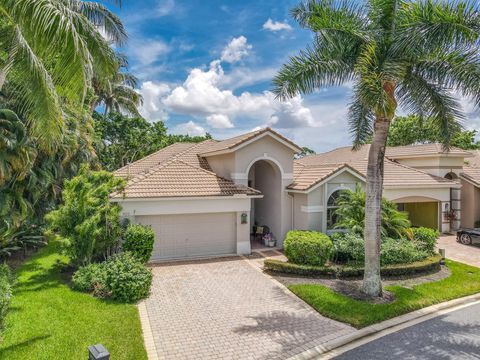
(415, 54)
(117, 93)
(50, 51)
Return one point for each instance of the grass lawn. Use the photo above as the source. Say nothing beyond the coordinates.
(48, 320)
(464, 280)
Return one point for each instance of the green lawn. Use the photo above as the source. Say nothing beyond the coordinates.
(48, 320)
(464, 280)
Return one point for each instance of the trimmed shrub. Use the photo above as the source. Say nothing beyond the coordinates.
(402, 251)
(138, 240)
(348, 247)
(6, 281)
(425, 239)
(122, 277)
(88, 277)
(307, 247)
(426, 266)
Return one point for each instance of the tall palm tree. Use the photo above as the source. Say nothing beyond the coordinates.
(50, 50)
(117, 93)
(415, 54)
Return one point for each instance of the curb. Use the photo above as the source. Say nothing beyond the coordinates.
(412, 317)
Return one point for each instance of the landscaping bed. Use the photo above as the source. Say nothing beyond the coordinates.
(48, 319)
(464, 280)
(429, 265)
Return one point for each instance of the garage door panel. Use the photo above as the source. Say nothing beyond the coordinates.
(192, 235)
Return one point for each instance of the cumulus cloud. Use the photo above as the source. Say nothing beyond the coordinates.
(271, 25)
(153, 108)
(219, 121)
(147, 52)
(202, 95)
(188, 128)
(165, 7)
(236, 49)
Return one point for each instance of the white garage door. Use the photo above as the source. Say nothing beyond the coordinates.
(192, 235)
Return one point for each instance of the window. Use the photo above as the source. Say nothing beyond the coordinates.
(332, 207)
(451, 176)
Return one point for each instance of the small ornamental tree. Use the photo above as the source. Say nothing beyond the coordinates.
(87, 220)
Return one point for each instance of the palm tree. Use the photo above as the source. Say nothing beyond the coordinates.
(117, 93)
(51, 50)
(415, 54)
(17, 151)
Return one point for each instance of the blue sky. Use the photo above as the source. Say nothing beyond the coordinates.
(206, 66)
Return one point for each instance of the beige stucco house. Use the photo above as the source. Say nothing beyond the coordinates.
(204, 199)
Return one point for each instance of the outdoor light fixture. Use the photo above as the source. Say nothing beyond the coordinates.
(244, 218)
(442, 254)
(98, 352)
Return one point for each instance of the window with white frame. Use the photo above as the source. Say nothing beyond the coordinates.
(332, 206)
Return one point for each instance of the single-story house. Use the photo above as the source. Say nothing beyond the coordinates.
(204, 199)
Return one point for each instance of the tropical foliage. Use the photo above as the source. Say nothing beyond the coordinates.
(406, 130)
(87, 221)
(395, 53)
(351, 215)
(121, 140)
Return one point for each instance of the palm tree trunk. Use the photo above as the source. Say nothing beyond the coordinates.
(372, 284)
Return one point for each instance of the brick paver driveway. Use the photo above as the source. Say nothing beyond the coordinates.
(468, 254)
(229, 309)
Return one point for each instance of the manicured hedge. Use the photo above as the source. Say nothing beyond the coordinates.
(307, 247)
(429, 265)
(138, 240)
(6, 280)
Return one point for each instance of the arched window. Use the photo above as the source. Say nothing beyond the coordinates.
(451, 176)
(332, 206)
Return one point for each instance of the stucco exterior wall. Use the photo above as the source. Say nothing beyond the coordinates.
(300, 217)
(470, 204)
(438, 166)
(266, 147)
(223, 165)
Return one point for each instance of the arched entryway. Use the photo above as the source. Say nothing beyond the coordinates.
(266, 176)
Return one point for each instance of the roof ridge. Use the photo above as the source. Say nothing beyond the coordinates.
(418, 170)
(214, 174)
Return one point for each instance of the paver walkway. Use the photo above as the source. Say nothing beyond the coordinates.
(468, 254)
(229, 309)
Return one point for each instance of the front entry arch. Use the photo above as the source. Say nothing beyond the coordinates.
(266, 176)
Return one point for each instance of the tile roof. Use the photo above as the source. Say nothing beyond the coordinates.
(396, 175)
(232, 143)
(305, 177)
(472, 174)
(178, 178)
(398, 152)
(474, 161)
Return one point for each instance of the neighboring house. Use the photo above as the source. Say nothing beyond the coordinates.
(470, 179)
(204, 199)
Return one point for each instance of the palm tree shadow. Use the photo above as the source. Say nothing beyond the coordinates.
(15, 347)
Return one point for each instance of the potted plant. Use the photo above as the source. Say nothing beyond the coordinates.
(269, 240)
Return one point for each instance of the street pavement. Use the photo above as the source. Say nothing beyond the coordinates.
(455, 335)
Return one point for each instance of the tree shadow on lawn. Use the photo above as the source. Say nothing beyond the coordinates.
(22, 344)
(42, 278)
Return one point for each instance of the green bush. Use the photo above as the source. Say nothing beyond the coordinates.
(122, 277)
(401, 251)
(348, 247)
(5, 292)
(138, 240)
(307, 247)
(426, 266)
(87, 220)
(127, 279)
(87, 278)
(425, 239)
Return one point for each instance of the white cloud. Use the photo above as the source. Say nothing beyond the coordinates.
(219, 121)
(236, 49)
(147, 52)
(188, 128)
(276, 25)
(202, 95)
(165, 8)
(153, 108)
(292, 114)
